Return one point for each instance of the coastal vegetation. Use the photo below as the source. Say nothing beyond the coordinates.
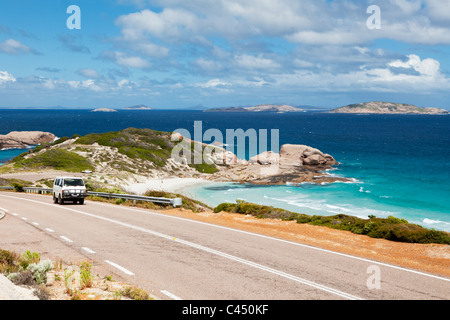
(58, 159)
(26, 269)
(132, 150)
(74, 282)
(390, 228)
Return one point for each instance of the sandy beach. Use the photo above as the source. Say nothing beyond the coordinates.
(173, 185)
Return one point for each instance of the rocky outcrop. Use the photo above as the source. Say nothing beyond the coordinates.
(299, 155)
(294, 163)
(23, 139)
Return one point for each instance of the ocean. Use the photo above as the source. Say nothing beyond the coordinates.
(399, 164)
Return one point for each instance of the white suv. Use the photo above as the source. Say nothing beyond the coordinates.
(69, 188)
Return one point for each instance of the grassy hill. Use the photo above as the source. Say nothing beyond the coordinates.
(133, 150)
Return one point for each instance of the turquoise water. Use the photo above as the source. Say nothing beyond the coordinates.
(359, 199)
(8, 154)
(400, 164)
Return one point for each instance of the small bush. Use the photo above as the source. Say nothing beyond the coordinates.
(40, 270)
(18, 187)
(135, 293)
(86, 278)
(9, 262)
(31, 257)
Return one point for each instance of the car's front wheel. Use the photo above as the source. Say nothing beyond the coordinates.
(61, 201)
(55, 199)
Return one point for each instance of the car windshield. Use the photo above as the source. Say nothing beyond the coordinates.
(73, 183)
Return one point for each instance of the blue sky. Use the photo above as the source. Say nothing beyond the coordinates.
(215, 53)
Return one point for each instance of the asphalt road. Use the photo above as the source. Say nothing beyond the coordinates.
(178, 258)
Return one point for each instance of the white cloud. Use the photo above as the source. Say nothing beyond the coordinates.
(12, 46)
(170, 23)
(408, 6)
(152, 50)
(427, 78)
(5, 77)
(426, 67)
(438, 10)
(335, 37)
(212, 83)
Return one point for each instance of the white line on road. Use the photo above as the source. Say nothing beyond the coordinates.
(35, 223)
(258, 235)
(120, 268)
(88, 250)
(25, 219)
(216, 252)
(307, 282)
(66, 239)
(286, 241)
(170, 295)
(49, 230)
(6, 210)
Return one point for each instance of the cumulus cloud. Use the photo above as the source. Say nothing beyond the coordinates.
(299, 21)
(5, 77)
(395, 76)
(426, 67)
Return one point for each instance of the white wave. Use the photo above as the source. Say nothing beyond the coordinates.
(352, 180)
(4, 149)
(361, 189)
(322, 207)
(431, 221)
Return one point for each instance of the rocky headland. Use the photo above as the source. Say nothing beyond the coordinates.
(24, 139)
(134, 155)
(293, 164)
(379, 107)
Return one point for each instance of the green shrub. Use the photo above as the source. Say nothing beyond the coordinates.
(40, 270)
(187, 203)
(17, 187)
(86, 278)
(57, 159)
(146, 144)
(391, 228)
(135, 293)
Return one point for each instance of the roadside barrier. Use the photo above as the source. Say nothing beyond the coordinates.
(175, 202)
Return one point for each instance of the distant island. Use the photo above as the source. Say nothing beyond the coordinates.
(379, 107)
(104, 110)
(138, 107)
(258, 108)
